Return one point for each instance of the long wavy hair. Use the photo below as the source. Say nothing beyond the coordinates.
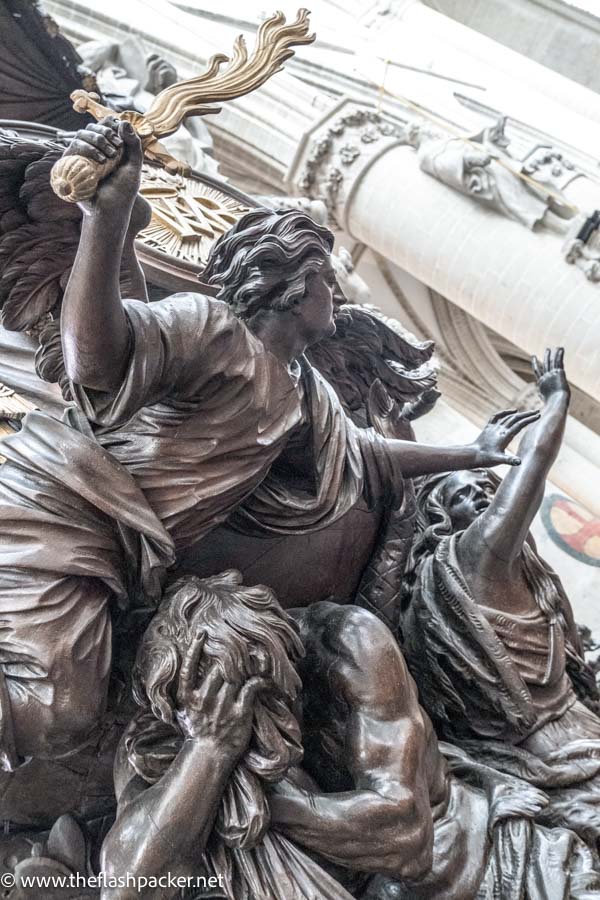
(263, 261)
(246, 633)
(433, 523)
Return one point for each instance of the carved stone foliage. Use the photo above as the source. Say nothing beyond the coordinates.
(342, 151)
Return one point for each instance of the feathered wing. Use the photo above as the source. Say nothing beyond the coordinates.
(39, 235)
(368, 348)
(384, 379)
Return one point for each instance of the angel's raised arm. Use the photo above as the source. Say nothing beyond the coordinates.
(93, 322)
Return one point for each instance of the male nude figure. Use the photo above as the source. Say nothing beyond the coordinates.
(373, 810)
(381, 798)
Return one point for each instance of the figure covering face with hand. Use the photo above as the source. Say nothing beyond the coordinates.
(183, 407)
(215, 680)
(489, 633)
(211, 777)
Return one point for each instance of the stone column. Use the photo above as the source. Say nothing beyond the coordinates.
(514, 280)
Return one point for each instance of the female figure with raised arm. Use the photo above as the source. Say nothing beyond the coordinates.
(489, 633)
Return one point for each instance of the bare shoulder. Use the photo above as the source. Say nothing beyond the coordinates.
(362, 653)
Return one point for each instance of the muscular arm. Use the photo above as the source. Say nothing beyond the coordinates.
(385, 823)
(160, 826)
(93, 323)
(133, 280)
(499, 533)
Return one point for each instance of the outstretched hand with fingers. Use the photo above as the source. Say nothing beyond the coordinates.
(212, 709)
(501, 429)
(550, 373)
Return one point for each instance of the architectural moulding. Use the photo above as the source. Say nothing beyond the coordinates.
(337, 153)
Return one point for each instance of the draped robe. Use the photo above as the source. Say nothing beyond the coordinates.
(95, 507)
(484, 694)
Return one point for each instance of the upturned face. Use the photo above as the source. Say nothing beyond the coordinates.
(316, 308)
(465, 496)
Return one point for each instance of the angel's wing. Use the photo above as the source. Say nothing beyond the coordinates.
(39, 235)
(369, 351)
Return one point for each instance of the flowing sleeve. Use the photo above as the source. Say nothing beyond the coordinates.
(348, 463)
(176, 347)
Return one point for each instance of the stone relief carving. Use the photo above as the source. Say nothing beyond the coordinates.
(548, 165)
(582, 245)
(334, 152)
(316, 209)
(481, 167)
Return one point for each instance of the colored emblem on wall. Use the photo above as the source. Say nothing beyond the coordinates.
(572, 528)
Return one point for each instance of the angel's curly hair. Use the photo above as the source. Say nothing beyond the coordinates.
(263, 261)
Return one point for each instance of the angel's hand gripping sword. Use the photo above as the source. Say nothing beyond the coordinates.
(75, 178)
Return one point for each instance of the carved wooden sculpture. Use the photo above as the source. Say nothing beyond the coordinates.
(215, 680)
(489, 632)
(141, 373)
(216, 776)
(241, 414)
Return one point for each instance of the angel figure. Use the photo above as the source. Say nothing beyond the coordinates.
(182, 408)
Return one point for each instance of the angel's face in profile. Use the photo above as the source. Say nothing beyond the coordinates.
(316, 307)
(465, 496)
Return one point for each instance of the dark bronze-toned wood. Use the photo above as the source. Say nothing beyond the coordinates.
(269, 737)
(39, 68)
(489, 631)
